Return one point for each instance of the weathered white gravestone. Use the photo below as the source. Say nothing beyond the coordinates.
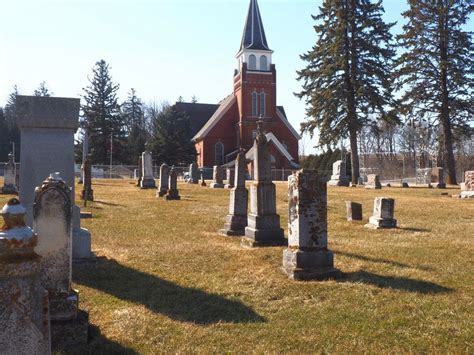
(218, 176)
(164, 176)
(373, 182)
(193, 174)
(307, 256)
(47, 126)
(468, 186)
(382, 217)
(9, 185)
(52, 221)
(339, 177)
(236, 220)
(147, 181)
(24, 307)
(263, 223)
(173, 193)
(230, 177)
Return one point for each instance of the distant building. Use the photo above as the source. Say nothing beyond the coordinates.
(221, 130)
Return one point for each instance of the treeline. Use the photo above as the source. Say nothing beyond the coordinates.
(360, 79)
(118, 132)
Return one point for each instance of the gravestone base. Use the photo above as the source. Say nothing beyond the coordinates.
(147, 184)
(441, 186)
(467, 194)
(375, 187)
(263, 230)
(337, 180)
(172, 195)
(378, 223)
(89, 194)
(234, 226)
(161, 193)
(63, 305)
(9, 190)
(227, 186)
(216, 185)
(203, 183)
(309, 265)
(70, 335)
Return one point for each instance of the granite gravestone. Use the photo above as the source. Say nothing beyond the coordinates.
(468, 186)
(339, 177)
(140, 163)
(382, 217)
(437, 177)
(373, 182)
(263, 223)
(24, 307)
(147, 181)
(193, 174)
(236, 220)
(47, 126)
(230, 177)
(87, 192)
(218, 178)
(164, 177)
(9, 184)
(173, 193)
(307, 256)
(354, 211)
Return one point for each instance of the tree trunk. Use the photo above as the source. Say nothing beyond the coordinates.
(444, 112)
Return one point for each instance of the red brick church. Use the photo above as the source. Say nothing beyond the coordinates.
(221, 130)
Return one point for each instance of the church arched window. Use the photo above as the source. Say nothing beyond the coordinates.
(263, 62)
(254, 104)
(219, 153)
(262, 104)
(252, 62)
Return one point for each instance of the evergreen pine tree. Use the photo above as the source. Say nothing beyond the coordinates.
(102, 118)
(12, 133)
(437, 69)
(42, 90)
(134, 119)
(346, 83)
(171, 142)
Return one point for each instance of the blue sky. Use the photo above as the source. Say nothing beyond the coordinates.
(162, 48)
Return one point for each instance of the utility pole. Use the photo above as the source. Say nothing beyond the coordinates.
(111, 154)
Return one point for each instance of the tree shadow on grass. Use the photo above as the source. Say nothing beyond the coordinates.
(99, 344)
(397, 283)
(413, 229)
(161, 296)
(381, 261)
(108, 203)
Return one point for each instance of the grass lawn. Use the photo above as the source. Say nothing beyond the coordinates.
(165, 281)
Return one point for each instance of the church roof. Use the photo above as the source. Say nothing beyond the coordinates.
(198, 114)
(254, 33)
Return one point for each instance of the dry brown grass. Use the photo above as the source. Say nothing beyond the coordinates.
(165, 281)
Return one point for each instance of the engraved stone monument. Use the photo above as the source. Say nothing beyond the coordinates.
(373, 182)
(339, 177)
(9, 185)
(164, 177)
(218, 177)
(354, 211)
(468, 187)
(87, 192)
(147, 181)
(307, 256)
(263, 223)
(47, 126)
(193, 174)
(24, 307)
(437, 177)
(230, 177)
(173, 193)
(382, 217)
(139, 171)
(236, 220)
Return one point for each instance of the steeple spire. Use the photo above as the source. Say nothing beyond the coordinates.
(254, 33)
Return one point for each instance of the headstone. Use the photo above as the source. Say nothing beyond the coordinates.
(230, 177)
(373, 182)
(263, 223)
(47, 126)
(87, 192)
(164, 180)
(140, 163)
(9, 184)
(307, 256)
(52, 220)
(339, 177)
(203, 182)
(468, 187)
(405, 184)
(173, 193)
(193, 174)
(423, 176)
(24, 307)
(147, 181)
(218, 177)
(85, 153)
(354, 211)
(236, 220)
(437, 177)
(382, 217)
